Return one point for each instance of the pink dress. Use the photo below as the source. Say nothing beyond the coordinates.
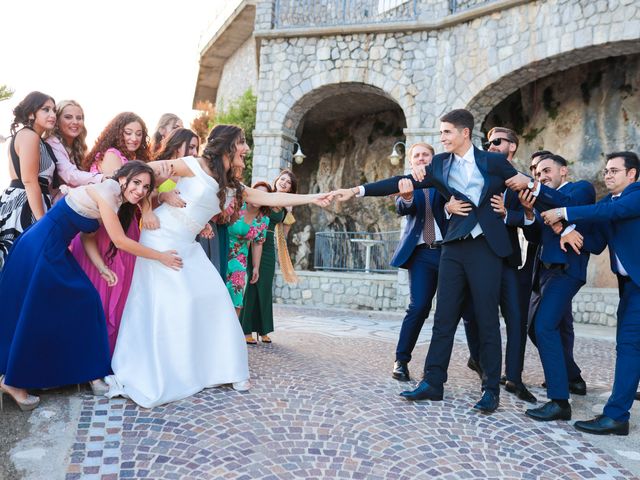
(122, 263)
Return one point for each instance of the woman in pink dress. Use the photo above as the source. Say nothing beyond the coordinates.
(124, 139)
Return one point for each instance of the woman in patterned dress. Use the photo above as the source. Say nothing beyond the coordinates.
(250, 227)
(31, 169)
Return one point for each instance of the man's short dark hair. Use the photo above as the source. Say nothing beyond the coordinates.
(630, 160)
(511, 135)
(556, 158)
(539, 153)
(460, 118)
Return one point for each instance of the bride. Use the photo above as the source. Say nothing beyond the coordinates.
(179, 331)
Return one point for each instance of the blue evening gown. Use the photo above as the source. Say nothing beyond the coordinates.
(52, 325)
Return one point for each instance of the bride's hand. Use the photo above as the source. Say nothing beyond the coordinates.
(207, 232)
(109, 276)
(323, 199)
(162, 170)
(171, 259)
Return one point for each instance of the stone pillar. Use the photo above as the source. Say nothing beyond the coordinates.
(272, 152)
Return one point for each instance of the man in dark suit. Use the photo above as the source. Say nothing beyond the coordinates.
(617, 224)
(419, 252)
(508, 206)
(557, 278)
(472, 252)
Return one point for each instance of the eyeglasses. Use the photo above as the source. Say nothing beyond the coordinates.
(613, 171)
(496, 142)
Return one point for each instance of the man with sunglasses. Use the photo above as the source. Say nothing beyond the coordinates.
(616, 221)
(507, 205)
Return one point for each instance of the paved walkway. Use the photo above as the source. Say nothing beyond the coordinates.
(323, 405)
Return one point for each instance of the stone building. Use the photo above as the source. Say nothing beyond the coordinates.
(347, 79)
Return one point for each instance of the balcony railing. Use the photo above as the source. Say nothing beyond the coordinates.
(368, 252)
(456, 6)
(326, 13)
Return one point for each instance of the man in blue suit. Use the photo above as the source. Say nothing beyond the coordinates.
(418, 252)
(472, 252)
(558, 277)
(616, 223)
(508, 206)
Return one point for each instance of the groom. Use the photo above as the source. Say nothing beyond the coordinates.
(474, 247)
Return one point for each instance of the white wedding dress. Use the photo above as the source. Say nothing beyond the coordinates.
(179, 331)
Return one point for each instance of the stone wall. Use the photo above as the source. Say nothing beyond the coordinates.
(359, 291)
(239, 74)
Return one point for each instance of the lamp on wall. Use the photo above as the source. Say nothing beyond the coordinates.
(394, 158)
(298, 156)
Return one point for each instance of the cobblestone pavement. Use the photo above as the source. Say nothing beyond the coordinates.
(323, 405)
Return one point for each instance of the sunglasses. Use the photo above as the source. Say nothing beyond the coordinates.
(496, 142)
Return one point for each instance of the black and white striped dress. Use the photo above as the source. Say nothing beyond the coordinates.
(15, 212)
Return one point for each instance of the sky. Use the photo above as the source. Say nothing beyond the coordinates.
(110, 56)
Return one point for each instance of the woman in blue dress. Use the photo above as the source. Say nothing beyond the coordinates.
(52, 325)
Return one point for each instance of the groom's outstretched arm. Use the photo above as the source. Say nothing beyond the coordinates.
(382, 188)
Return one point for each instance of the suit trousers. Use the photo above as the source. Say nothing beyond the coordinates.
(423, 282)
(467, 267)
(552, 304)
(627, 372)
(515, 323)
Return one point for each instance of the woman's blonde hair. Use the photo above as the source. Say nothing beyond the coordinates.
(78, 148)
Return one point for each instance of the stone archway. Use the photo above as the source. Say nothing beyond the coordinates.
(347, 131)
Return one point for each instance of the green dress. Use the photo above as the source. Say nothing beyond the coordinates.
(257, 314)
(240, 234)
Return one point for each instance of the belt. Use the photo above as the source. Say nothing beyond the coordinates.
(554, 266)
(43, 182)
(431, 246)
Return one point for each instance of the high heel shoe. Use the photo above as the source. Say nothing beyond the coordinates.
(26, 405)
(99, 388)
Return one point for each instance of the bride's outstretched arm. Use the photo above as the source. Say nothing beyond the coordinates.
(278, 199)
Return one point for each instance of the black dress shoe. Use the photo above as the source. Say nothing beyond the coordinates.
(488, 403)
(578, 386)
(603, 425)
(520, 391)
(637, 395)
(475, 366)
(423, 391)
(549, 411)
(401, 371)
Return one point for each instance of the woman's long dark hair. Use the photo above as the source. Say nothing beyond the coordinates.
(172, 143)
(29, 105)
(222, 140)
(126, 212)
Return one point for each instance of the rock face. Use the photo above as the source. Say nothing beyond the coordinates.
(582, 114)
(346, 153)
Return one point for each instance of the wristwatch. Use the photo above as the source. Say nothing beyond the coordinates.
(531, 184)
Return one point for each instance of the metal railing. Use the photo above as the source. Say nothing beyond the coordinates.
(368, 252)
(456, 6)
(326, 13)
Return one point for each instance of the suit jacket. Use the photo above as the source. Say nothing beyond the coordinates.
(415, 212)
(495, 169)
(572, 193)
(616, 223)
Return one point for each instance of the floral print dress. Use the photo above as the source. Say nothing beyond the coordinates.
(241, 235)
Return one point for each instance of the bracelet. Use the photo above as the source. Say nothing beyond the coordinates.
(160, 201)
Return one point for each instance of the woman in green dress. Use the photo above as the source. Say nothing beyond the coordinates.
(251, 227)
(257, 314)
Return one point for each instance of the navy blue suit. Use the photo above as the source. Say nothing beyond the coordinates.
(559, 277)
(467, 265)
(422, 264)
(509, 296)
(618, 225)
